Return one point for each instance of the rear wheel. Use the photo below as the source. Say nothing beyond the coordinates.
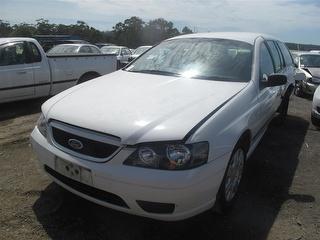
(87, 77)
(232, 178)
(283, 109)
(298, 90)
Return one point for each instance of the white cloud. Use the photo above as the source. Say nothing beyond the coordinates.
(270, 16)
(292, 20)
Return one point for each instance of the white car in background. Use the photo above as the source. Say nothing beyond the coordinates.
(315, 115)
(138, 51)
(315, 51)
(168, 136)
(27, 72)
(74, 49)
(308, 67)
(123, 54)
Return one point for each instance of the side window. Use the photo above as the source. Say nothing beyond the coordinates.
(286, 54)
(12, 54)
(275, 56)
(123, 52)
(94, 50)
(35, 53)
(84, 49)
(266, 64)
(128, 51)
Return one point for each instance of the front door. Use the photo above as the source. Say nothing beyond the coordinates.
(16, 75)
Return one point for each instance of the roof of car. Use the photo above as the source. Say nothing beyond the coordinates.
(16, 39)
(76, 44)
(301, 53)
(248, 37)
(145, 46)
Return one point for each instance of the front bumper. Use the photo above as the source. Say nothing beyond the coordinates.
(190, 191)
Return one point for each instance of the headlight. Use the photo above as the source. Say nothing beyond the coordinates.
(42, 125)
(309, 80)
(169, 156)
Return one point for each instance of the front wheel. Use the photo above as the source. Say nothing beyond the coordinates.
(232, 178)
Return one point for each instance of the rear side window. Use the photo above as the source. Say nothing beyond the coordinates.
(94, 50)
(266, 64)
(85, 49)
(35, 55)
(128, 52)
(275, 56)
(13, 54)
(286, 54)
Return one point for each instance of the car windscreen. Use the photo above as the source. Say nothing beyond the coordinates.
(110, 50)
(310, 60)
(140, 50)
(63, 49)
(201, 58)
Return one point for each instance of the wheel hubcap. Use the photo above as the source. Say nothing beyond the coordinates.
(234, 174)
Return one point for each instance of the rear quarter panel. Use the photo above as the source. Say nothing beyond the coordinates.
(67, 70)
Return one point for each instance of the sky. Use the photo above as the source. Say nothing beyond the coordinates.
(289, 20)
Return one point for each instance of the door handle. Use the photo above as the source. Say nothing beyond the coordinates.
(22, 72)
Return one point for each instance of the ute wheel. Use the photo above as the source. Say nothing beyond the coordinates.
(87, 77)
(231, 181)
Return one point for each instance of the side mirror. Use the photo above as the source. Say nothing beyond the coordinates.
(275, 80)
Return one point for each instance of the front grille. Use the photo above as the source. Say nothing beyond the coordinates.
(90, 147)
(87, 190)
(318, 109)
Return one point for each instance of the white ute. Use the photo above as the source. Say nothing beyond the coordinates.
(168, 136)
(27, 72)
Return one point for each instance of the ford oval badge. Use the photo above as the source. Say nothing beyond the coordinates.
(75, 144)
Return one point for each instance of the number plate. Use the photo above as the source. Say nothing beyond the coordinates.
(73, 171)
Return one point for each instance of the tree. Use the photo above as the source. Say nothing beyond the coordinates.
(23, 30)
(159, 29)
(132, 32)
(5, 28)
(129, 32)
(186, 30)
(44, 27)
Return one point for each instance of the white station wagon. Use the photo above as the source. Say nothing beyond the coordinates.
(168, 136)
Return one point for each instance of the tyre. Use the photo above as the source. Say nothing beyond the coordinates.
(87, 77)
(231, 181)
(298, 90)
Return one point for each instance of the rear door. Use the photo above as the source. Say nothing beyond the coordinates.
(277, 91)
(289, 68)
(267, 95)
(125, 54)
(16, 72)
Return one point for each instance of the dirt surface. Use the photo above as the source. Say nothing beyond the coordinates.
(279, 198)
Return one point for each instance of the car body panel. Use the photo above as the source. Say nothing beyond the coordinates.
(50, 75)
(315, 112)
(169, 105)
(140, 108)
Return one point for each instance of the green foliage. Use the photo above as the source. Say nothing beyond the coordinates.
(5, 28)
(186, 30)
(133, 32)
(158, 30)
(129, 33)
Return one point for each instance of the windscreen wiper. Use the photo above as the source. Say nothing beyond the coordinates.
(159, 72)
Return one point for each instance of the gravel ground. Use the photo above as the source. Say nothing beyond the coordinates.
(279, 197)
